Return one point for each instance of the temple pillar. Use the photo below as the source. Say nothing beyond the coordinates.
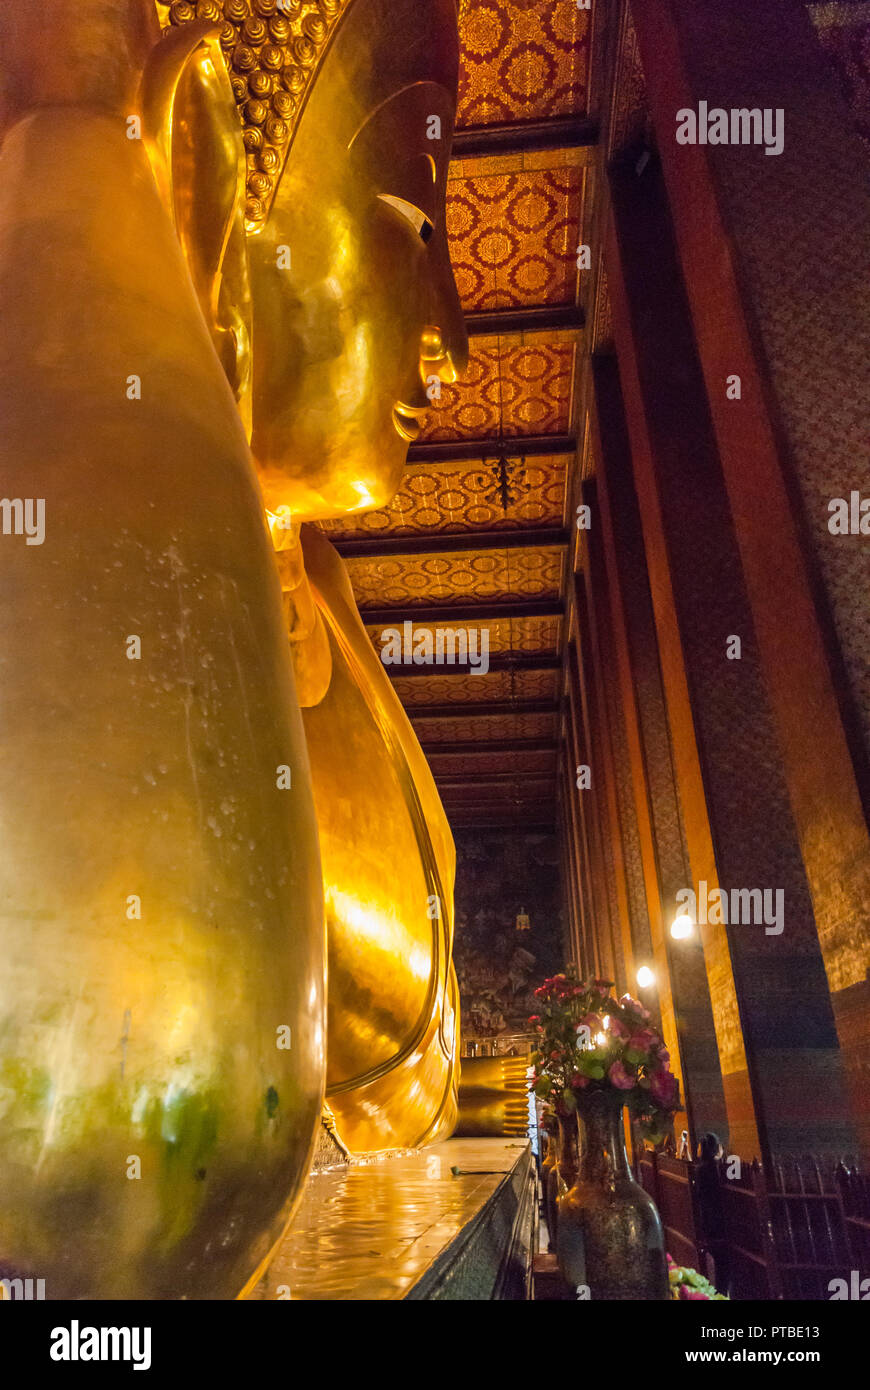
(616, 546)
(740, 830)
(783, 303)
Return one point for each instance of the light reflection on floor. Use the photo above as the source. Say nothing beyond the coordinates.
(370, 1232)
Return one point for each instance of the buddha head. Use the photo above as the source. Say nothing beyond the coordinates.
(347, 110)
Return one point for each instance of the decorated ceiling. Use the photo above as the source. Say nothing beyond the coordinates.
(477, 537)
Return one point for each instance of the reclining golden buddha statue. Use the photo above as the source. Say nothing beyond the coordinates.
(347, 114)
(219, 301)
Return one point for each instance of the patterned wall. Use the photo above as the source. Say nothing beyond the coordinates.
(498, 966)
(844, 33)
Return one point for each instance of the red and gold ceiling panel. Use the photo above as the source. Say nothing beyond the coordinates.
(457, 497)
(463, 688)
(406, 581)
(522, 60)
(491, 728)
(514, 237)
(523, 390)
(521, 637)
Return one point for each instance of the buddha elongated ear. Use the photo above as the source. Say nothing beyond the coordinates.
(193, 136)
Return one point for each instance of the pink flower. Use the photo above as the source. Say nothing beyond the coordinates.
(664, 1056)
(693, 1294)
(634, 1006)
(663, 1087)
(578, 1081)
(642, 1040)
(617, 1029)
(592, 1022)
(620, 1077)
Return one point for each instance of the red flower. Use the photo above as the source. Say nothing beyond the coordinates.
(663, 1087)
(620, 1077)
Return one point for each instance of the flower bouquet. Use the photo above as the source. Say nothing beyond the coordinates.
(589, 1042)
(596, 1055)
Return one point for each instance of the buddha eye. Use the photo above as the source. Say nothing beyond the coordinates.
(417, 218)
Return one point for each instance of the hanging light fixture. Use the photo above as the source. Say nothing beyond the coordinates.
(506, 469)
(508, 475)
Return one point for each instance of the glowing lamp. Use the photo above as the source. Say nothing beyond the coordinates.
(682, 926)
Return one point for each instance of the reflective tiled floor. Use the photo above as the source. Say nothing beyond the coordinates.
(371, 1231)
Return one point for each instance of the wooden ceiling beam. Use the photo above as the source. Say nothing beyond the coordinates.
(486, 746)
(538, 318)
(516, 137)
(545, 827)
(520, 446)
(534, 538)
(473, 710)
(457, 782)
(485, 611)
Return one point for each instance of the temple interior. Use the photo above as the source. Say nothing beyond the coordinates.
(436, 709)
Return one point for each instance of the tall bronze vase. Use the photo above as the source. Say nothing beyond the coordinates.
(610, 1239)
(547, 1166)
(563, 1173)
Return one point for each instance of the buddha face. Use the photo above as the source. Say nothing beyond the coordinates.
(356, 319)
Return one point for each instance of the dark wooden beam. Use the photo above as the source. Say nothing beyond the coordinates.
(539, 318)
(521, 446)
(496, 663)
(548, 537)
(473, 710)
(514, 137)
(503, 827)
(493, 779)
(483, 612)
(507, 745)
